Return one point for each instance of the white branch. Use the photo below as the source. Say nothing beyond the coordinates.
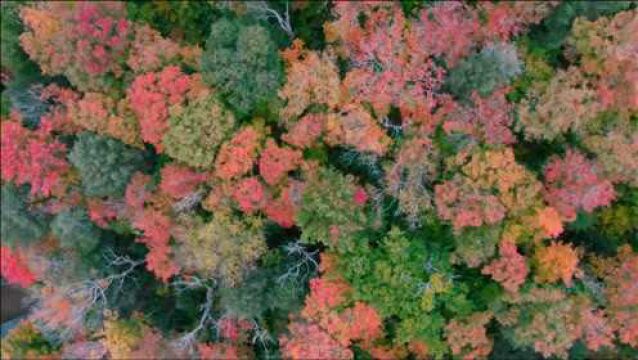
(306, 263)
(188, 340)
(262, 10)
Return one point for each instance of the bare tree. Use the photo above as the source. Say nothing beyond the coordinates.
(262, 10)
(305, 264)
(188, 340)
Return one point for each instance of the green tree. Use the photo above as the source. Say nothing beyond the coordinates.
(197, 130)
(75, 230)
(493, 67)
(242, 62)
(105, 165)
(17, 222)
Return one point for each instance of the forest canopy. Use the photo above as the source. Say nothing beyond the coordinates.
(320, 179)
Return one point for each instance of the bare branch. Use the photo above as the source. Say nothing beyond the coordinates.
(305, 265)
(262, 10)
(188, 340)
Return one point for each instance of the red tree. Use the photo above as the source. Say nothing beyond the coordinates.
(14, 269)
(573, 184)
(179, 181)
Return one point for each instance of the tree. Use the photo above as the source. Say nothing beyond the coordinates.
(510, 269)
(152, 94)
(328, 213)
(241, 61)
(389, 64)
(276, 162)
(197, 130)
(156, 229)
(411, 177)
(26, 341)
(484, 72)
(179, 181)
(150, 52)
(18, 224)
(488, 121)
(556, 262)
(14, 268)
(237, 156)
(32, 157)
(311, 78)
(250, 195)
(573, 184)
(74, 230)
(235, 245)
(105, 165)
(84, 42)
(468, 338)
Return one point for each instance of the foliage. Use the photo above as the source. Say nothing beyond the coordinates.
(179, 181)
(84, 41)
(32, 157)
(26, 341)
(178, 20)
(484, 72)
(275, 162)
(510, 269)
(573, 184)
(329, 213)
(75, 231)
(14, 270)
(402, 279)
(19, 224)
(152, 94)
(375, 179)
(241, 62)
(13, 58)
(235, 245)
(196, 131)
(556, 262)
(104, 164)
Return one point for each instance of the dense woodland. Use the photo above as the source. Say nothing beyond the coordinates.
(320, 179)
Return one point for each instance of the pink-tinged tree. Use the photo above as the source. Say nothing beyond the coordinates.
(101, 212)
(509, 18)
(622, 293)
(250, 194)
(448, 29)
(152, 94)
(14, 268)
(413, 169)
(510, 270)
(138, 192)
(390, 67)
(309, 341)
(597, 330)
(85, 41)
(283, 209)
(549, 222)
(573, 184)
(354, 126)
(305, 132)
(275, 162)
(156, 229)
(312, 78)
(455, 202)
(489, 120)
(32, 157)
(237, 156)
(468, 337)
(489, 186)
(149, 51)
(179, 181)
